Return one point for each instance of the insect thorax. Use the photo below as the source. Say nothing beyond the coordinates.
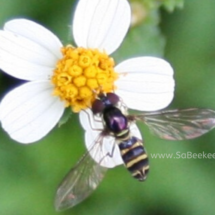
(115, 121)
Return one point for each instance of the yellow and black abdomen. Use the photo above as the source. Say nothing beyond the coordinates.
(132, 151)
(135, 158)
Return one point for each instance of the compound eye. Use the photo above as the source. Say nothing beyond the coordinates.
(113, 98)
(97, 106)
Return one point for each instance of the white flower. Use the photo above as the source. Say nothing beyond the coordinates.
(66, 76)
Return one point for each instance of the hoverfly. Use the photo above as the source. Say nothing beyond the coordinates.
(111, 131)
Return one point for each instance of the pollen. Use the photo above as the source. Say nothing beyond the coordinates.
(81, 75)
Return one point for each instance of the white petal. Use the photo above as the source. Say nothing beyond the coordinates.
(36, 33)
(89, 121)
(23, 54)
(145, 83)
(97, 145)
(29, 112)
(103, 150)
(21, 68)
(101, 24)
(135, 131)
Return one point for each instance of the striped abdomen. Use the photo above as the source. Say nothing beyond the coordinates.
(135, 157)
(131, 148)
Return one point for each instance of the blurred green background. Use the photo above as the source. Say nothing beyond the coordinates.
(29, 175)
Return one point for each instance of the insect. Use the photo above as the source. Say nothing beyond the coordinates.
(117, 124)
(115, 139)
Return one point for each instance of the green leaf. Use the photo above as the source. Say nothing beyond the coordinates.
(170, 5)
(144, 39)
(66, 115)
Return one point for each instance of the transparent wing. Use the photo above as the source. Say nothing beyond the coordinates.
(79, 183)
(179, 124)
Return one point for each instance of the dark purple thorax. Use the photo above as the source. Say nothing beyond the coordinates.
(115, 120)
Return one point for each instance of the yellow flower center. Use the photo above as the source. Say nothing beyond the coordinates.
(81, 75)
